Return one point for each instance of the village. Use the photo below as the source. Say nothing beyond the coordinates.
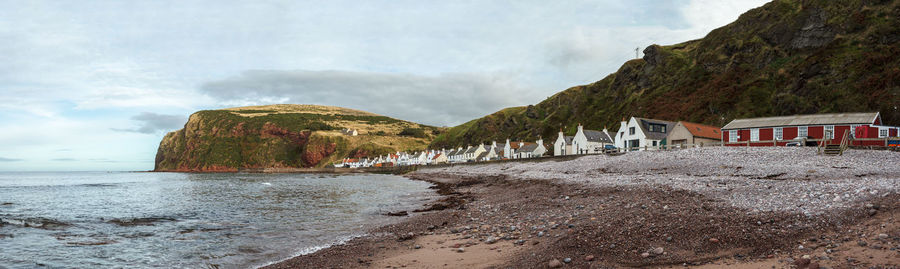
(832, 134)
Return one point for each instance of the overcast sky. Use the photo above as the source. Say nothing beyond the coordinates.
(94, 85)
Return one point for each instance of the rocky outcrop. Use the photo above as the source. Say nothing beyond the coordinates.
(273, 137)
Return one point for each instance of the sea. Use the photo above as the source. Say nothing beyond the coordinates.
(189, 220)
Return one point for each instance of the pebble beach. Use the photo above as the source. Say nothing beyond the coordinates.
(702, 207)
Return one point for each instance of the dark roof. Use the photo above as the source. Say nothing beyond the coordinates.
(471, 150)
(482, 155)
(569, 139)
(645, 127)
(597, 136)
(530, 147)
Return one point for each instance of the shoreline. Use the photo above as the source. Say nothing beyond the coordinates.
(502, 220)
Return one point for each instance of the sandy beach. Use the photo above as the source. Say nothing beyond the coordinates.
(704, 208)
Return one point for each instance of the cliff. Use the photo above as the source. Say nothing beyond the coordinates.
(786, 57)
(284, 136)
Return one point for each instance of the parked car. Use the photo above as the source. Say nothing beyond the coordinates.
(609, 147)
(802, 141)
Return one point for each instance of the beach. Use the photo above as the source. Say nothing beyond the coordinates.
(706, 208)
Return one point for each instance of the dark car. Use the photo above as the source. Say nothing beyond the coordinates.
(609, 147)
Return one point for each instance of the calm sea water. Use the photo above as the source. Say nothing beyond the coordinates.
(178, 220)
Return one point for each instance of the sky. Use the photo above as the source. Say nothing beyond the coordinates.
(94, 85)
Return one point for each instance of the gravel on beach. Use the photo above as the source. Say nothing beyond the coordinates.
(760, 207)
(756, 178)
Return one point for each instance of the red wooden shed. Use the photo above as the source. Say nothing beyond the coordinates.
(771, 131)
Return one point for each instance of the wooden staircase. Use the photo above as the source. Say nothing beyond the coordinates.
(836, 149)
(833, 150)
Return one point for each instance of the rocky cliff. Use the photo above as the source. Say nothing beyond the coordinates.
(283, 136)
(786, 57)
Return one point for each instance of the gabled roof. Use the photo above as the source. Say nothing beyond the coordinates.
(700, 130)
(514, 144)
(471, 150)
(482, 155)
(569, 139)
(800, 120)
(597, 136)
(529, 147)
(436, 156)
(645, 127)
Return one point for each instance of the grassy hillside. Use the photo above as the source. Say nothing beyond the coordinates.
(284, 136)
(786, 57)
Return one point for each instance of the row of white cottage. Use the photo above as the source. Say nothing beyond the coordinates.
(633, 134)
(480, 153)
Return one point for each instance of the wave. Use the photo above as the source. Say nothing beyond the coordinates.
(139, 221)
(37, 222)
(313, 249)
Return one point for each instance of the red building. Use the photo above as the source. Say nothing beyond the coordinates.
(782, 130)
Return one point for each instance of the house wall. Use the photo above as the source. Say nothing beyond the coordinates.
(766, 134)
(621, 139)
(705, 141)
(679, 132)
(559, 145)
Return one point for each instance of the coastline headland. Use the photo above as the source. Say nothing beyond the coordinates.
(705, 207)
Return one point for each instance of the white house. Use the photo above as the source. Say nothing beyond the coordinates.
(531, 150)
(440, 157)
(458, 155)
(472, 153)
(590, 141)
(563, 145)
(350, 132)
(640, 133)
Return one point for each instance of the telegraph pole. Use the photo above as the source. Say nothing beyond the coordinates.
(636, 52)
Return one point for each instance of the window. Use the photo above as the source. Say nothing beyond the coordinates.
(630, 130)
(853, 130)
(754, 134)
(779, 133)
(654, 143)
(883, 132)
(802, 131)
(733, 136)
(659, 128)
(829, 131)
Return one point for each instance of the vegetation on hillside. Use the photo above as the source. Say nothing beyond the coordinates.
(786, 57)
(283, 136)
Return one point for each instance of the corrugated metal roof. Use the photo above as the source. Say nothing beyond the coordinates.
(800, 120)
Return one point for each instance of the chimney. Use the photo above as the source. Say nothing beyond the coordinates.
(540, 141)
(494, 144)
(624, 123)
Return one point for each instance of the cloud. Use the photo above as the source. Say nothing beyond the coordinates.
(446, 99)
(153, 123)
(64, 160)
(9, 160)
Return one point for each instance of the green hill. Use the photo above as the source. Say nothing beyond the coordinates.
(284, 136)
(786, 57)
